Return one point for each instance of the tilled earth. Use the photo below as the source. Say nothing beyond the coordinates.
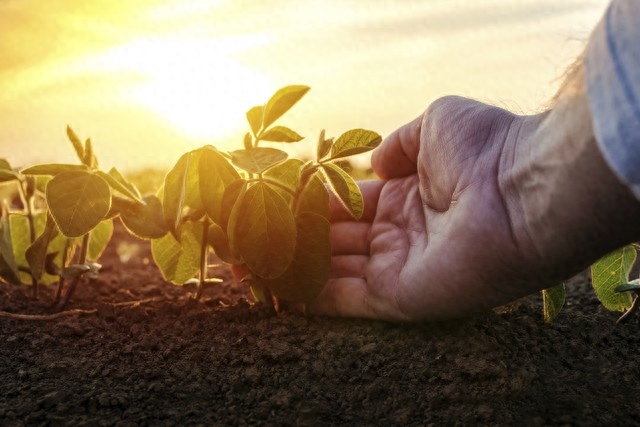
(145, 355)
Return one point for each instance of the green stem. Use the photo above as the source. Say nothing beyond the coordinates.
(28, 205)
(304, 181)
(65, 254)
(84, 250)
(204, 246)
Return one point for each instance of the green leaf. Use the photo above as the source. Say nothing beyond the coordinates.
(217, 238)
(355, 141)
(281, 102)
(232, 194)
(75, 141)
(118, 186)
(314, 198)
(345, 188)
(8, 265)
(179, 261)
(264, 232)
(552, 301)
(89, 157)
(254, 117)
(5, 165)
(8, 175)
(182, 189)
(248, 141)
(145, 220)
(78, 201)
(280, 134)
(215, 175)
(115, 173)
(286, 173)
(324, 146)
(309, 271)
(53, 169)
(610, 272)
(258, 159)
(99, 239)
(36, 253)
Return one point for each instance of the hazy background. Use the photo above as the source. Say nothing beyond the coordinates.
(149, 80)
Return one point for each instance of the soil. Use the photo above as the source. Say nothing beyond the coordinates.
(164, 360)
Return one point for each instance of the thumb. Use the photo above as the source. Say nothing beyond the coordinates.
(397, 155)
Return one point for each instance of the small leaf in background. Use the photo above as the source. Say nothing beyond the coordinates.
(36, 253)
(75, 141)
(89, 157)
(99, 239)
(53, 169)
(133, 190)
(78, 201)
(145, 221)
(5, 165)
(258, 159)
(281, 102)
(217, 238)
(179, 261)
(324, 146)
(8, 175)
(247, 141)
(355, 141)
(552, 301)
(181, 189)
(8, 265)
(345, 188)
(610, 272)
(215, 175)
(309, 271)
(280, 134)
(314, 198)
(264, 232)
(254, 117)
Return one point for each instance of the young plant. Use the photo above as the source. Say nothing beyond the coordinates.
(79, 204)
(257, 207)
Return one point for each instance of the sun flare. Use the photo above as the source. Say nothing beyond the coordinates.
(193, 85)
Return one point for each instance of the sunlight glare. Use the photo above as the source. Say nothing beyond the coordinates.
(193, 84)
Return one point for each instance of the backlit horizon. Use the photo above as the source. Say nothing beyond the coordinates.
(149, 81)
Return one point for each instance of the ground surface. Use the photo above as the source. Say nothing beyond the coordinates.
(224, 361)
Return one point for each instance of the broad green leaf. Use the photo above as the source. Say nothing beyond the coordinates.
(75, 141)
(53, 169)
(345, 188)
(36, 253)
(280, 134)
(610, 272)
(552, 302)
(118, 186)
(142, 220)
(355, 141)
(309, 271)
(182, 189)
(254, 117)
(324, 146)
(99, 239)
(78, 201)
(8, 264)
(217, 238)
(281, 102)
(264, 232)
(232, 194)
(286, 173)
(8, 175)
(179, 261)
(258, 159)
(314, 198)
(216, 174)
(23, 248)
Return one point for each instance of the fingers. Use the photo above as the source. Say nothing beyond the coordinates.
(370, 193)
(397, 155)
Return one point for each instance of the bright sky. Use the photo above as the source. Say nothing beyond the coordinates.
(150, 79)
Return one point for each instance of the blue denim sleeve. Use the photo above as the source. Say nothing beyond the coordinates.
(612, 67)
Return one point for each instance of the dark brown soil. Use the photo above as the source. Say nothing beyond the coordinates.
(224, 361)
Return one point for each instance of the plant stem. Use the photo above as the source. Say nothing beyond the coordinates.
(204, 246)
(304, 181)
(65, 254)
(28, 206)
(84, 250)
